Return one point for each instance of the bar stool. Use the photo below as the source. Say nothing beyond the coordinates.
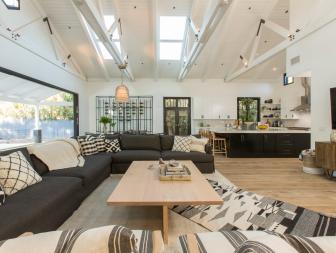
(218, 144)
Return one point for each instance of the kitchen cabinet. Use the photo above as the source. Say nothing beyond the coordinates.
(267, 145)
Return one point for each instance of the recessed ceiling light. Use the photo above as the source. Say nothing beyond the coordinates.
(265, 41)
(174, 7)
(250, 8)
(286, 11)
(134, 7)
(274, 68)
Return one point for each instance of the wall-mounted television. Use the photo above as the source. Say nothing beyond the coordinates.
(333, 107)
(287, 79)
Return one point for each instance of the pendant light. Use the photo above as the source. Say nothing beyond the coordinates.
(121, 91)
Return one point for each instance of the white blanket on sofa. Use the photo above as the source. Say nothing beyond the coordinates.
(58, 154)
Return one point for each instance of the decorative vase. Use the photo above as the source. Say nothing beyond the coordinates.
(333, 136)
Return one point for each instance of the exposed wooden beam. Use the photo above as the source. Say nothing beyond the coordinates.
(94, 46)
(93, 18)
(295, 38)
(277, 28)
(211, 21)
(56, 39)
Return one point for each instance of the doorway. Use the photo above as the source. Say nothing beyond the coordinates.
(177, 115)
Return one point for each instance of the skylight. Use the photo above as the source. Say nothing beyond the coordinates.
(172, 29)
(170, 50)
(108, 20)
(106, 55)
(12, 4)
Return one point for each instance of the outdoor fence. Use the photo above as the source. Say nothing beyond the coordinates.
(23, 129)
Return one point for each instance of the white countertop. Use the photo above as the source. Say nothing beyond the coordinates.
(268, 131)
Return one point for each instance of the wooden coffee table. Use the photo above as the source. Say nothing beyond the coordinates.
(140, 186)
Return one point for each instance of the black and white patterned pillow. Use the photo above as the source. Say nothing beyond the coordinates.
(16, 173)
(99, 140)
(87, 146)
(112, 145)
(182, 143)
(2, 196)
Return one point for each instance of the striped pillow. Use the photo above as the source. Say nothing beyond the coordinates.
(110, 239)
(99, 140)
(254, 241)
(87, 147)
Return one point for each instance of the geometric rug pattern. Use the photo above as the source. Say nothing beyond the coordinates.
(244, 210)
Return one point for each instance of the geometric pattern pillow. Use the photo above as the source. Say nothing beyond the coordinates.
(99, 140)
(2, 196)
(182, 143)
(87, 146)
(16, 173)
(112, 145)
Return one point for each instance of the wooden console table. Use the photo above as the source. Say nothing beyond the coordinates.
(326, 157)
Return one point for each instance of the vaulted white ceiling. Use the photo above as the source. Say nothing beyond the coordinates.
(139, 22)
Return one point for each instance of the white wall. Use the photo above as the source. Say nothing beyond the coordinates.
(33, 55)
(318, 56)
(209, 98)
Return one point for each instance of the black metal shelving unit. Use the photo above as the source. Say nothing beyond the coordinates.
(136, 115)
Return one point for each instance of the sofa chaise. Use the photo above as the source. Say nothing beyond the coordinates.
(46, 205)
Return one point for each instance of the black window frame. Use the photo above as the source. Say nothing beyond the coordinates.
(258, 106)
(49, 85)
(11, 7)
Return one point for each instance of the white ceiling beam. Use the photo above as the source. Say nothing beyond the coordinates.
(94, 46)
(209, 25)
(277, 28)
(93, 18)
(295, 38)
(56, 37)
(156, 39)
(195, 29)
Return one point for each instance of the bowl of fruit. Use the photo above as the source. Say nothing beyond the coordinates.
(262, 127)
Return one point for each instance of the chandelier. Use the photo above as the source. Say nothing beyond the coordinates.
(121, 91)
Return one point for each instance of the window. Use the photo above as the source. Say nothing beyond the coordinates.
(12, 4)
(103, 51)
(248, 109)
(172, 29)
(27, 105)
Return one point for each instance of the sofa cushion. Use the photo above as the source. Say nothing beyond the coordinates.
(127, 156)
(39, 166)
(140, 142)
(197, 157)
(167, 142)
(94, 166)
(41, 207)
(16, 173)
(24, 151)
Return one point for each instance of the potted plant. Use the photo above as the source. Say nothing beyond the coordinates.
(105, 120)
(112, 124)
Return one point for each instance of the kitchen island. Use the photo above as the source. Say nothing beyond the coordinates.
(277, 142)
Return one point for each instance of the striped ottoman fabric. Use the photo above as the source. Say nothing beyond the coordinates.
(108, 239)
(256, 242)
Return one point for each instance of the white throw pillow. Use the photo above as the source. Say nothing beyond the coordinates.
(16, 173)
(197, 144)
(182, 143)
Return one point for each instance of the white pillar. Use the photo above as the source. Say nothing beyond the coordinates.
(37, 116)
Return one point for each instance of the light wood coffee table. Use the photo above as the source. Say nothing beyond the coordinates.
(140, 186)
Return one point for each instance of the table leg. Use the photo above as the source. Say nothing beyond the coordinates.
(165, 224)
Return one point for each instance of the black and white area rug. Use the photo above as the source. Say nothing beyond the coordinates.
(243, 210)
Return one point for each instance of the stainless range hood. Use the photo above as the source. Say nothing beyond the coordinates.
(305, 100)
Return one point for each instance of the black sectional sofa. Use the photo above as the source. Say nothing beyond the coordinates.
(46, 205)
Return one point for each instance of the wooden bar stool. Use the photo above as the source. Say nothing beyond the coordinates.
(218, 144)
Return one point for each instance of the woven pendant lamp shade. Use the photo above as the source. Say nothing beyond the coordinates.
(121, 93)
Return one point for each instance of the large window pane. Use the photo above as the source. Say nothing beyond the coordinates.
(26, 106)
(172, 27)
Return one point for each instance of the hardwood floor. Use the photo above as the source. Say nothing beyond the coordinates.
(282, 179)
